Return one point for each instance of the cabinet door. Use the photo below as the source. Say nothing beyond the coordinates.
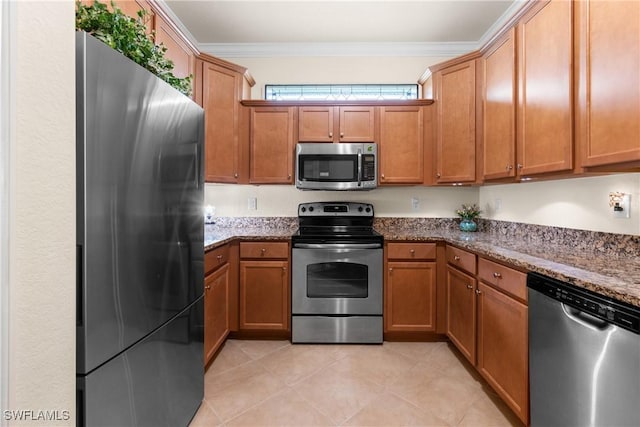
(545, 137)
(401, 145)
(357, 124)
(271, 145)
(177, 49)
(456, 123)
(315, 124)
(502, 347)
(221, 91)
(499, 95)
(216, 315)
(461, 312)
(608, 81)
(264, 295)
(410, 296)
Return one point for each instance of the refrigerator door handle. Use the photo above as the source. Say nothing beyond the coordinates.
(79, 287)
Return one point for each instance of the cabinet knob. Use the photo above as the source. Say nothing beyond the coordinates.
(497, 275)
(469, 287)
(412, 251)
(206, 288)
(219, 257)
(478, 291)
(235, 175)
(341, 134)
(289, 176)
(382, 176)
(330, 134)
(262, 251)
(438, 175)
(456, 258)
(284, 269)
(390, 268)
(519, 166)
(509, 167)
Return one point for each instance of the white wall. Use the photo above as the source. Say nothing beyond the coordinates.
(581, 203)
(337, 70)
(42, 213)
(283, 200)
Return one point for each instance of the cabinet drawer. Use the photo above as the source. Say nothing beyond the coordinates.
(504, 278)
(461, 259)
(411, 251)
(264, 250)
(216, 258)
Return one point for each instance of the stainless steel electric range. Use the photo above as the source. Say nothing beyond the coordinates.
(337, 261)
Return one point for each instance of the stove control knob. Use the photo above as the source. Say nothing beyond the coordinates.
(303, 209)
(359, 208)
(368, 210)
(310, 208)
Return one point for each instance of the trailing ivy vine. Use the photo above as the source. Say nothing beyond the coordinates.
(129, 36)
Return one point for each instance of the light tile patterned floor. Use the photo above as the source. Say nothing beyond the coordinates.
(275, 383)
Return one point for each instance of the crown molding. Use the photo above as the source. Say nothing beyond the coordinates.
(270, 50)
(164, 8)
(502, 22)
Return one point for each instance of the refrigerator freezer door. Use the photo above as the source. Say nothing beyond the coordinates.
(140, 197)
(157, 382)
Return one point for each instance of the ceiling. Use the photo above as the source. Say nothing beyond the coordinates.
(248, 28)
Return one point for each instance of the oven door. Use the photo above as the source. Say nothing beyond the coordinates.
(336, 279)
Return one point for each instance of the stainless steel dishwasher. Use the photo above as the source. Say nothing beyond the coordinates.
(584, 357)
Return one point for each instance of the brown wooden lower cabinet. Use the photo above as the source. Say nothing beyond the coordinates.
(410, 303)
(216, 314)
(503, 347)
(461, 312)
(264, 295)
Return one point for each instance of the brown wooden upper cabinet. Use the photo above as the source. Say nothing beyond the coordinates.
(545, 124)
(401, 145)
(271, 145)
(455, 96)
(608, 82)
(499, 108)
(177, 49)
(220, 92)
(336, 124)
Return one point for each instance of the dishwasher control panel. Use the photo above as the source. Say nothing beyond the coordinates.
(617, 312)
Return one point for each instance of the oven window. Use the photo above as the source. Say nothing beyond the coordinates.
(337, 280)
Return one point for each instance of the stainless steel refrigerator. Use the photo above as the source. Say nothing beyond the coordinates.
(140, 189)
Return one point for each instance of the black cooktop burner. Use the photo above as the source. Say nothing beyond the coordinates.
(336, 222)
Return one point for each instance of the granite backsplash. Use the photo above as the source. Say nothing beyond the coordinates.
(595, 242)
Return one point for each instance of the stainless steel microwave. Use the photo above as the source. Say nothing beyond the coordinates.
(327, 166)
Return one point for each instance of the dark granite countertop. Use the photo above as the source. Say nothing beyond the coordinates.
(616, 276)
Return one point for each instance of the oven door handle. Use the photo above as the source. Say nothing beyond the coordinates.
(337, 245)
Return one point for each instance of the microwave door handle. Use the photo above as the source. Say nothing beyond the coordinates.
(359, 167)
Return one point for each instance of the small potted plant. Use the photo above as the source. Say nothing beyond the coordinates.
(468, 213)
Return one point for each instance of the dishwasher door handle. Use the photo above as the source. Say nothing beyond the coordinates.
(585, 319)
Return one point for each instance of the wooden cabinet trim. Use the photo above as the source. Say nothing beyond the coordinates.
(505, 279)
(264, 250)
(411, 251)
(461, 259)
(215, 258)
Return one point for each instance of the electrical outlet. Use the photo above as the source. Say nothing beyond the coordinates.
(415, 203)
(497, 205)
(621, 205)
(252, 203)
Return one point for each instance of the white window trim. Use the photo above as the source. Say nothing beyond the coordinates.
(7, 52)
